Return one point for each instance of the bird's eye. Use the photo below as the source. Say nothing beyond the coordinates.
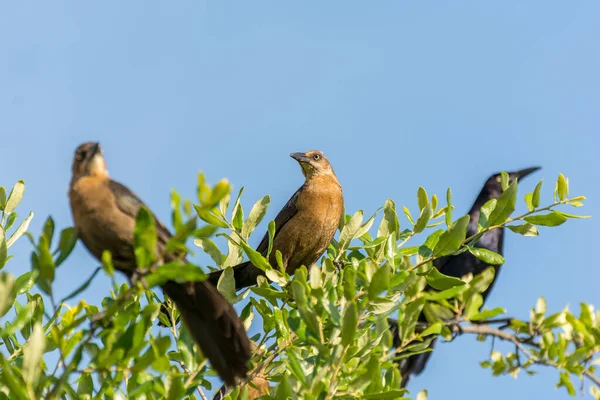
(316, 157)
(80, 156)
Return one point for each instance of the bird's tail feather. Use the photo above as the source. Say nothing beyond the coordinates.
(245, 275)
(215, 326)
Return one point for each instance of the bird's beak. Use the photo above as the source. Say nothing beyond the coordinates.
(527, 171)
(300, 157)
(95, 149)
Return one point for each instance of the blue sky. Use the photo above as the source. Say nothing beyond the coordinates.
(397, 94)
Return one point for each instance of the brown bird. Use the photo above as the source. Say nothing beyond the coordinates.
(104, 212)
(306, 224)
(257, 387)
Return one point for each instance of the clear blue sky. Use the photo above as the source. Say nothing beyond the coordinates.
(396, 93)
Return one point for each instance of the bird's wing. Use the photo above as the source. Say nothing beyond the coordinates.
(286, 213)
(129, 204)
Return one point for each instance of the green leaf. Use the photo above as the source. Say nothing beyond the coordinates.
(411, 317)
(535, 199)
(524, 229)
(505, 205)
(174, 271)
(504, 179)
(447, 294)
(209, 217)
(389, 395)
(550, 219)
(562, 187)
(174, 387)
(107, 263)
(487, 256)
(271, 232)
(350, 230)
(219, 191)
(3, 249)
(144, 235)
(349, 283)
(484, 213)
(451, 240)
(565, 381)
(487, 314)
(349, 324)
(20, 230)
(48, 229)
(423, 219)
(2, 197)
(449, 207)
(257, 213)
(381, 305)
(439, 281)
(433, 329)
(7, 292)
(380, 281)
(226, 284)
(366, 226)
(472, 306)
(572, 215)
(277, 277)
(86, 385)
(426, 249)
(10, 379)
(66, 243)
(422, 198)
(10, 220)
(408, 216)
(389, 224)
(15, 196)
(211, 249)
(25, 282)
(32, 355)
(529, 201)
(255, 257)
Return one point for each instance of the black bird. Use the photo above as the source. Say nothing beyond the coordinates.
(463, 263)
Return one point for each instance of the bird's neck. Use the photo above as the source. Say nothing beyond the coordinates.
(324, 181)
(95, 178)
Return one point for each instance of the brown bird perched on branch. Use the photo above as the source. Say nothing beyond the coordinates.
(306, 224)
(104, 212)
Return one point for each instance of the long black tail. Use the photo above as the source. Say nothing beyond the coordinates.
(215, 326)
(245, 275)
(412, 365)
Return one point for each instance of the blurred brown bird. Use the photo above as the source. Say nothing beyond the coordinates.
(257, 387)
(306, 224)
(104, 212)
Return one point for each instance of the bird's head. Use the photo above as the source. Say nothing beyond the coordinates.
(89, 161)
(313, 163)
(493, 186)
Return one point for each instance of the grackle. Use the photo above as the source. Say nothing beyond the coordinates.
(104, 212)
(306, 224)
(464, 263)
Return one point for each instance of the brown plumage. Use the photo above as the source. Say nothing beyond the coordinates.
(306, 224)
(257, 387)
(104, 212)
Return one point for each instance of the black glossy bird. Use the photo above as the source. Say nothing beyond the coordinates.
(104, 212)
(464, 263)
